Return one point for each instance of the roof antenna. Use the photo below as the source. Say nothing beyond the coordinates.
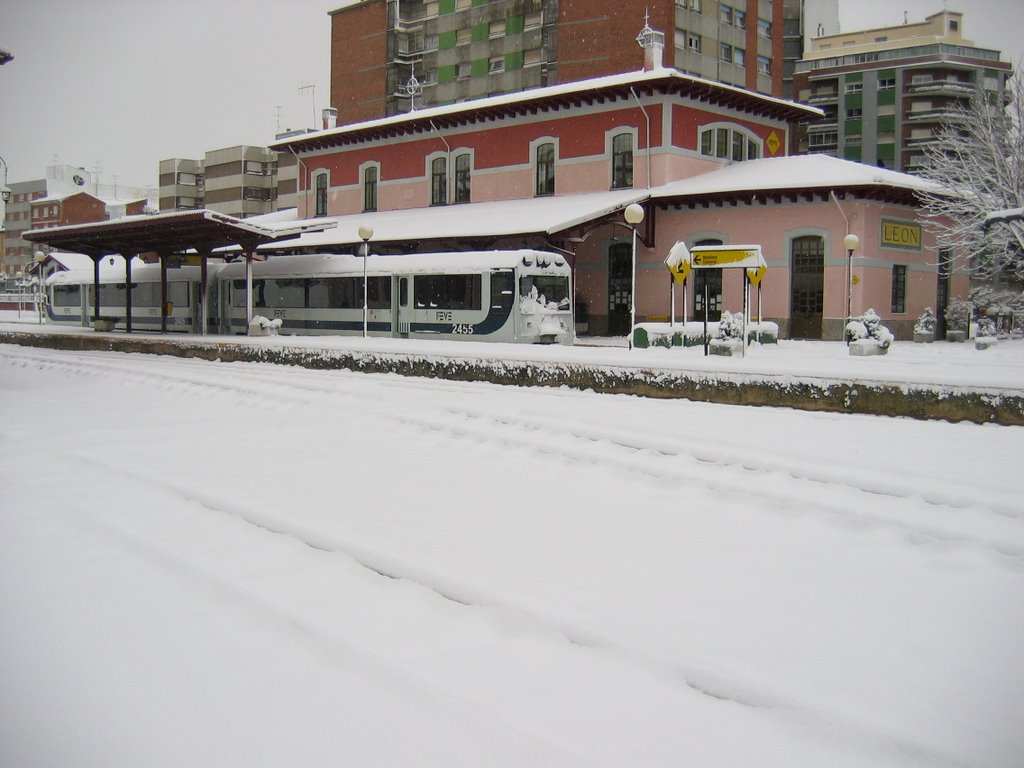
(312, 89)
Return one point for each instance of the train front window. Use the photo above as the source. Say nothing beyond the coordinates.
(550, 291)
(67, 295)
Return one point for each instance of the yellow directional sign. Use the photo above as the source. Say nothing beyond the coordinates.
(679, 271)
(755, 275)
(722, 257)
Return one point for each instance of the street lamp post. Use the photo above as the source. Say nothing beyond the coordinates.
(5, 196)
(634, 214)
(365, 233)
(850, 242)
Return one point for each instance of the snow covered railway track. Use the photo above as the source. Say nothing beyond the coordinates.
(659, 450)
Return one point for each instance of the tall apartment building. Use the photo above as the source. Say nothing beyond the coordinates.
(466, 49)
(240, 181)
(886, 91)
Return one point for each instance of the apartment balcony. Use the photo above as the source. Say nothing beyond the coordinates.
(936, 115)
(950, 88)
(824, 97)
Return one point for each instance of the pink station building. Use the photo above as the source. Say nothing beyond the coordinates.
(555, 167)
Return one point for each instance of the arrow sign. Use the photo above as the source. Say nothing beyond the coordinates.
(718, 256)
(755, 275)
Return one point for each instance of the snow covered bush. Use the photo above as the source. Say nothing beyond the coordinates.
(869, 327)
(925, 322)
(730, 326)
(958, 314)
(261, 326)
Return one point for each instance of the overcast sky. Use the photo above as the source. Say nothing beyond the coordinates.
(119, 85)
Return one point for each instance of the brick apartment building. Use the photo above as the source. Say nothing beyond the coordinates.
(467, 49)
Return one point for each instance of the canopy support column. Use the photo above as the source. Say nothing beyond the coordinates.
(248, 288)
(96, 288)
(128, 293)
(163, 293)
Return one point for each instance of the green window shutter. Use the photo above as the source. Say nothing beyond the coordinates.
(886, 123)
(853, 127)
(514, 61)
(887, 96)
(447, 39)
(481, 2)
(478, 68)
(886, 151)
(481, 32)
(855, 77)
(446, 74)
(515, 24)
(854, 100)
(446, 6)
(886, 74)
(852, 153)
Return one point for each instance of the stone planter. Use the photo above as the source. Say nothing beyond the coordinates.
(958, 336)
(984, 342)
(867, 348)
(726, 347)
(924, 337)
(104, 323)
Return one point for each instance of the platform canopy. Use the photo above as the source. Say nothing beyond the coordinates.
(199, 231)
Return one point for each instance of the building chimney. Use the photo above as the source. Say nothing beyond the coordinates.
(330, 115)
(653, 44)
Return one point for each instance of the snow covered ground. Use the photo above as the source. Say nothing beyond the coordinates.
(212, 564)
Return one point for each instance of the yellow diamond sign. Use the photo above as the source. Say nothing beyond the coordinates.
(773, 142)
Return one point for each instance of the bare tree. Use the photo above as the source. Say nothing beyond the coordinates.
(979, 159)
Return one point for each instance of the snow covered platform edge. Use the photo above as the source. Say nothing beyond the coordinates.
(879, 398)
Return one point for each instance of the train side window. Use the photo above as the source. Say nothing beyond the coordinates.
(403, 291)
(378, 293)
(448, 291)
(67, 295)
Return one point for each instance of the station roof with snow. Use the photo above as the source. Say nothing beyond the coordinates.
(796, 177)
(169, 233)
(595, 90)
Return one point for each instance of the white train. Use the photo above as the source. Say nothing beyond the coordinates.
(511, 296)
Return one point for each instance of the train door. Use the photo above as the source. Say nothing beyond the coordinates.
(404, 306)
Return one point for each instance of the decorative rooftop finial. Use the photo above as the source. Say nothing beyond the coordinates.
(653, 43)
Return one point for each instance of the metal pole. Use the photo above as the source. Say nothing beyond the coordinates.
(366, 253)
(632, 294)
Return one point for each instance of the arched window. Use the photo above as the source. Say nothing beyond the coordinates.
(370, 188)
(439, 181)
(622, 161)
(462, 178)
(320, 194)
(729, 142)
(546, 169)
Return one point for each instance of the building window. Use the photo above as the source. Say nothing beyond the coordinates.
(370, 188)
(899, 288)
(739, 18)
(696, 5)
(739, 57)
(462, 179)
(729, 142)
(320, 194)
(188, 179)
(464, 70)
(622, 161)
(256, 193)
(725, 52)
(496, 65)
(887, 84)
(854, 87)
(693, 42)
(764, 28)
(854, 112)
(764, 65)
(255, 168)
(546, 169)
(438, 181)
(725, 14)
